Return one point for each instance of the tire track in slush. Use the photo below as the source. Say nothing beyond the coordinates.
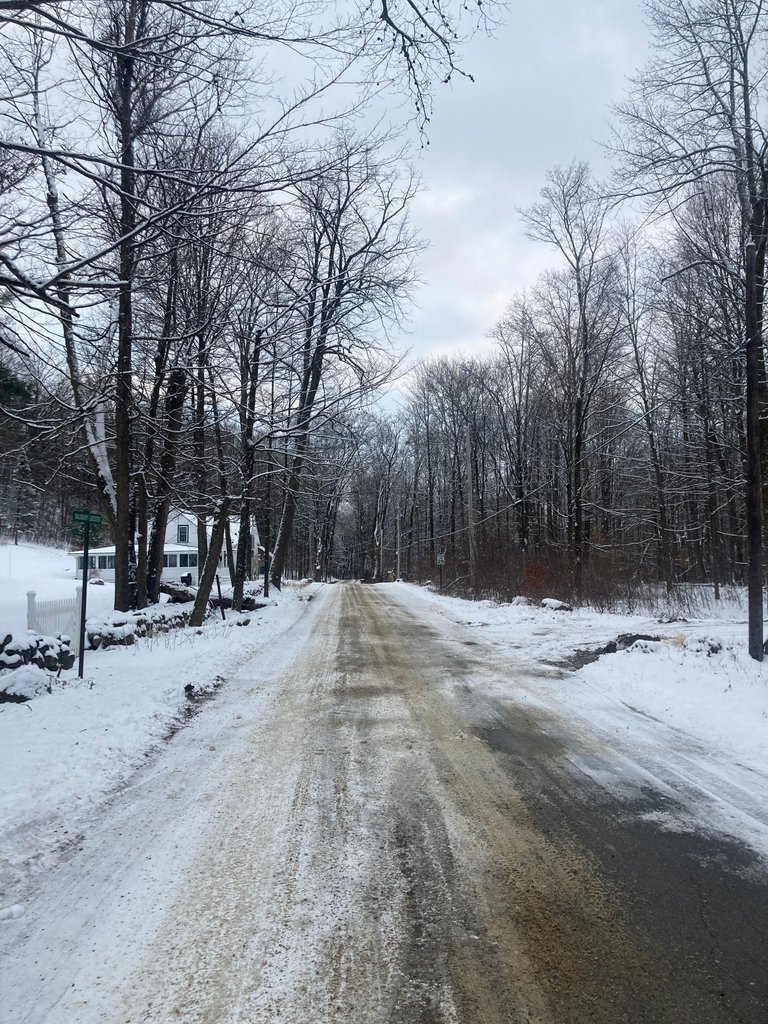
(224, 928)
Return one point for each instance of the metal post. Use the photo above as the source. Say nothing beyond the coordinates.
(31, 609)
(221, 599)
(86, 542)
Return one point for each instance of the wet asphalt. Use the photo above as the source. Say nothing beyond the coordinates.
(695, 902)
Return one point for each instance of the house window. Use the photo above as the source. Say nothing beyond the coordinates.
(110, 561)
(193, 561)
(102, 561)
(169, 561)
(91, 562)
(182, 534)
(183, 561)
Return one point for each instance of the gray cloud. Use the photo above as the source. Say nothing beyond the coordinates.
(543, 91)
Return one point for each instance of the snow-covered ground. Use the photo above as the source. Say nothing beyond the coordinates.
(719, 696)
(63, 753)
(50, 572)
(284, 852)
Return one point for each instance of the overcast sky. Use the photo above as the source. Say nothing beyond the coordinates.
(542, 95)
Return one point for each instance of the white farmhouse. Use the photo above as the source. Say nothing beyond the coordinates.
(179, 551)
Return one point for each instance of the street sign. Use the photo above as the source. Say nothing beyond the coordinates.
(92, 518)
(441, 559)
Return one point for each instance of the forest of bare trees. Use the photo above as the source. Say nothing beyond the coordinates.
(198, 266)
(196, 302)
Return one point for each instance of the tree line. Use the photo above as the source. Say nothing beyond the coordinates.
(613, 446)
(201, 247)
(597, 452)
(196, 303)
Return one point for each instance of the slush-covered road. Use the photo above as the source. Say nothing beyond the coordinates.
(367, 838)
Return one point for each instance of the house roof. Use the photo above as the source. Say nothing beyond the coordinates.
(167, 549)
(175, 514)
(95, 551)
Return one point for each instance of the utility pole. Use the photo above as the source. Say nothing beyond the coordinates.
(754, 498)
(471, 513)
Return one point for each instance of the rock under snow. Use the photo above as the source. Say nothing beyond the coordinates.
(49, 652)
(555, 606)
(24, 683)
(647, 646)
(708, 645)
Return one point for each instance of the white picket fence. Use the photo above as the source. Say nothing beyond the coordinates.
(60, 616)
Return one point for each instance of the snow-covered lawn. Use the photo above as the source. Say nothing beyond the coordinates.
(698, 678)
(50, 572)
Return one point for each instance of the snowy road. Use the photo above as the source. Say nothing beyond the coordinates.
(372, 834)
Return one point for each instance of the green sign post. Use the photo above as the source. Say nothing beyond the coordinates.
(86, 520)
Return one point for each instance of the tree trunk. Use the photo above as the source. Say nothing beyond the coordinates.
(268, 522)
(211, 563)
(712, 514)
(94, 443)
(174, 404)
(577, 497)
(754, 497)
(662, 519)
(472, 539)
(242, 566)
(142, 520)
(123, 385)
(285, 529)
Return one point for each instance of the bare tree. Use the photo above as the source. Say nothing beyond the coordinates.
(695, 113)
(572, 219)
(356, 270)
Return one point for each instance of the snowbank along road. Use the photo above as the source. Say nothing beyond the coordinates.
(367, 837)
